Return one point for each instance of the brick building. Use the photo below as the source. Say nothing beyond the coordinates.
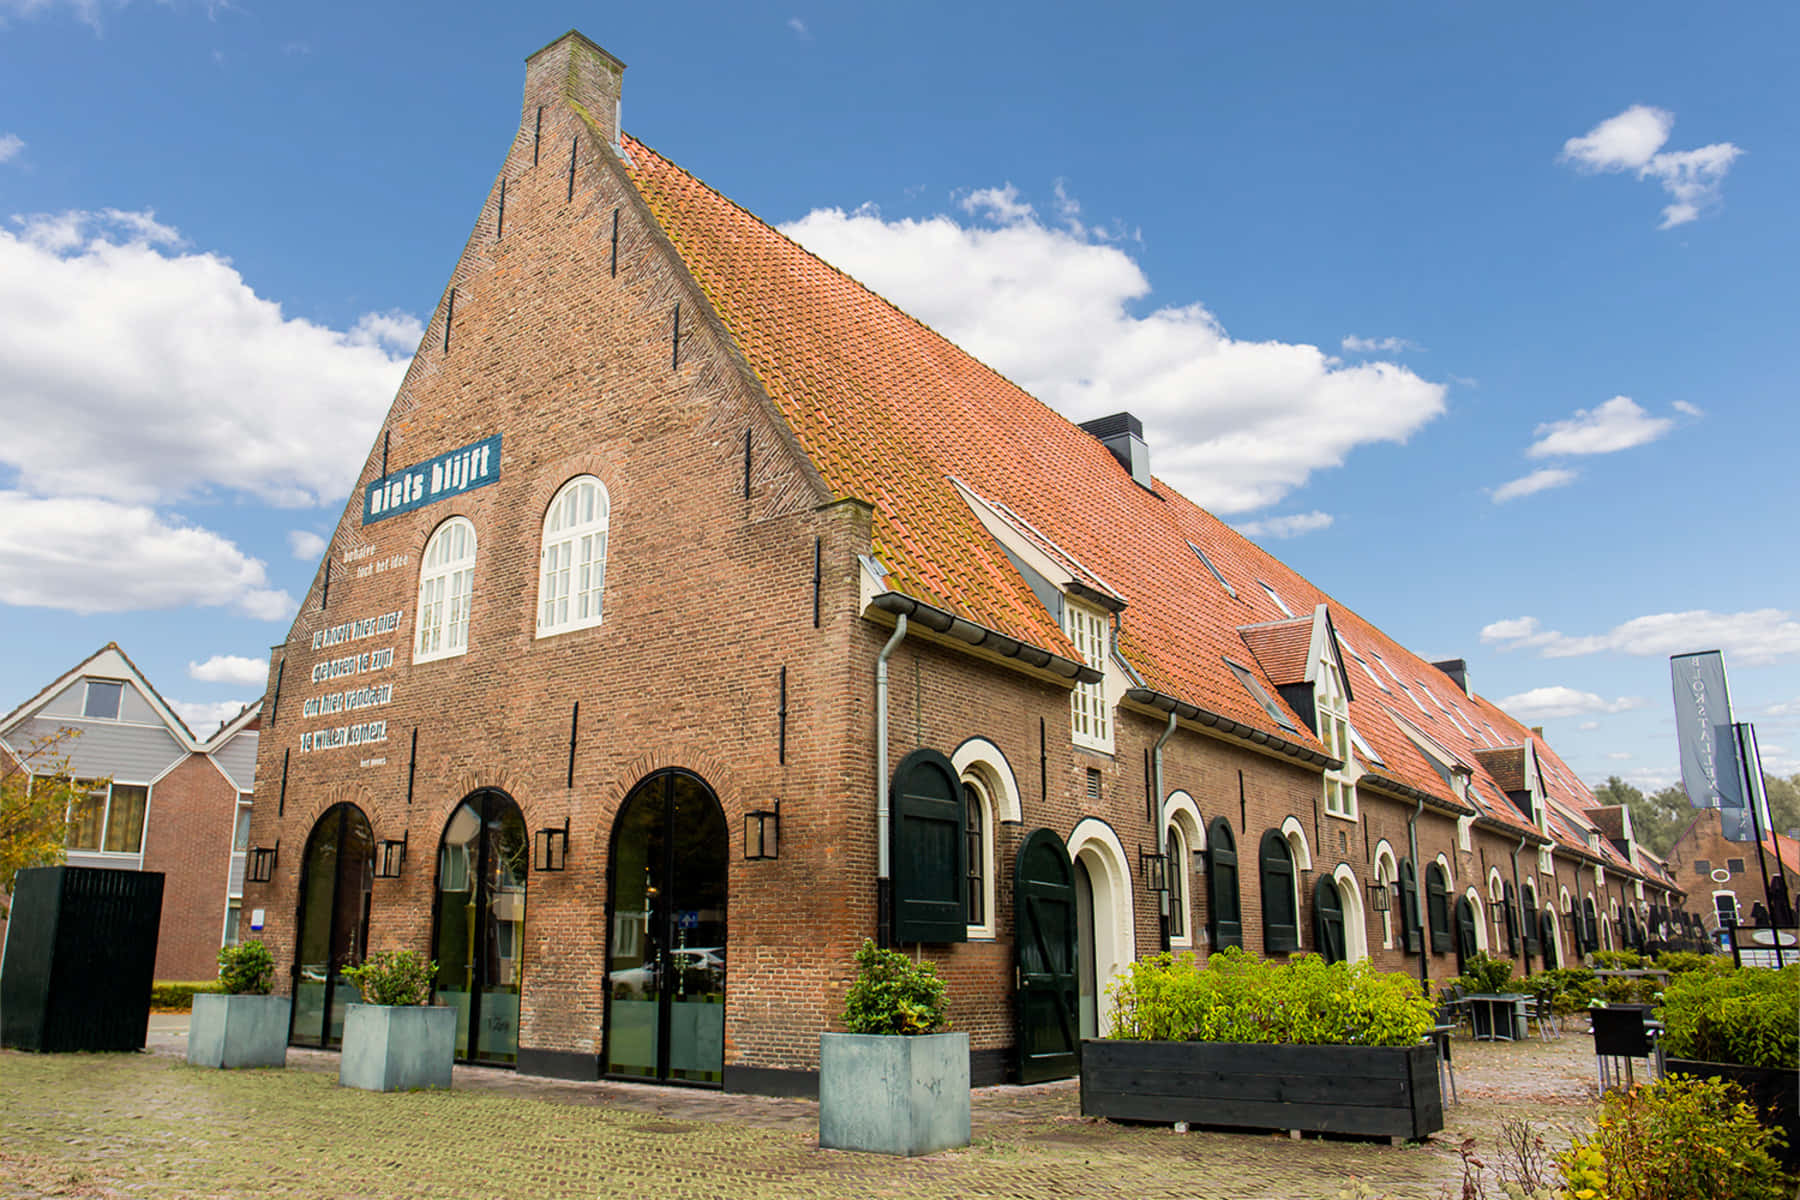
(167, 800)
(699, 614)
(1722, 878)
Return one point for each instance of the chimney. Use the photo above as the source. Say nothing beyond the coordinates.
(1123, 434)
(1538, 732)
(1458, 671)
(574, 71)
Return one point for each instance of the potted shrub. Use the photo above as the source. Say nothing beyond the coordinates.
(1297, 1045)
(1740, 1025)
(394, 1041)
(242, 1025)
(894, 1084)
(1484, 975)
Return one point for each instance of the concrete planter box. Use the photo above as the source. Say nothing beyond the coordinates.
(238, 1031)
(392, 1048)
(1366, 1091)
(893, 1095)
(1775, 1091)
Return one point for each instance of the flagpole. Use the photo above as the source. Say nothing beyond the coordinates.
(1745, 738)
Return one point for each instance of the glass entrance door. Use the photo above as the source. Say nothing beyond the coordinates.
(666, 951)
(480, 938)
(336, 879)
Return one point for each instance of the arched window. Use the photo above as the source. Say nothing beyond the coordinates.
(1224, 922)
(1386, 875)
(975, 825)
(1280, 904)
(1437, 907)
(479, 940)
(1176, 872)
(572, 566)
(446, 584)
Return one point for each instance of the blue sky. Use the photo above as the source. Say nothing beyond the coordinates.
(1359, 268)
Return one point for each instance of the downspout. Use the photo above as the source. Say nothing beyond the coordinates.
(1412, 847)
(884, 883)
(1518, 903)
(1161, 831)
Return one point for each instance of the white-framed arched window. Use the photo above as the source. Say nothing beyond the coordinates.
(446, 585)
(1387, 874)
(978, 829)
(572, 565)
(1183, 838)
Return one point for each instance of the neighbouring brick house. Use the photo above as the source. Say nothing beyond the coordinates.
(167, 800)
(1722, 878)
(699, 614)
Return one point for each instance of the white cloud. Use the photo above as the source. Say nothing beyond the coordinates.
(799, 27)
(1381, 345)
(1291, 525)
(1785, 708)
(92, 556)
(1631, 141)
(1558, 701)
(119, 346)
(10, 146)
(305, 544)
(1236, 425)
(1588, 726)
(1538, 481)
(204, 717)
(1754, 638)
(230, 668)
(1619, 755)
(1691, 410)
(1619, 424)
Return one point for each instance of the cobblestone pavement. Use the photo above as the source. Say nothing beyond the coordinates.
(147, 1125)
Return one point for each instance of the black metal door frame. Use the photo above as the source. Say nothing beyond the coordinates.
(483, 801)
(342, 810)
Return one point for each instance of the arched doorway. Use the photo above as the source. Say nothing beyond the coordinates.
(478, 935)
(1468, 922)
(1328, 920)
(1356, 925)
(336, 878)
(665, 1011)
(1103, 907)
(1048, 908)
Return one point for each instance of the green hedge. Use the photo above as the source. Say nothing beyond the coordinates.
(1749, 1016)
(1237, 998)
(169, 994)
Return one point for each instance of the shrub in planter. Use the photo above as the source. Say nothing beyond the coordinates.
(392, 1041)
(1672, 1140)
(1617, 960)
(244, 1026)
(1742, 1026)
(894, 1084)
(1483, 973)
(1301, 1044)
(1570, 988)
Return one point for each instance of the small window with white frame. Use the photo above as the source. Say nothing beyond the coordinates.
(1333, 708)
(1089, 722)
(572, 565)
(446, 587)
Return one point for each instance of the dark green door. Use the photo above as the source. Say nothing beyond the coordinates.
(1046, 960)
(1465, 933)
(1328, 920)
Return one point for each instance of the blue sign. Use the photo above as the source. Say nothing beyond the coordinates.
(687, 918)
(450, 474)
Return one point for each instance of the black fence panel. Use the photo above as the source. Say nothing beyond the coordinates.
(80, 959)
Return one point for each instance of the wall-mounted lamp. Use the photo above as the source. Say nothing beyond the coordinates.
(261, 867)
(1155, 870)
(762, 834)
(1380, 898)
(550, 848)
(390, 858)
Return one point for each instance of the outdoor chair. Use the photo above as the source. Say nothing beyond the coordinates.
(1439, 1037)
(1542, 1009)
(1620, 1035)
(1451, 1005)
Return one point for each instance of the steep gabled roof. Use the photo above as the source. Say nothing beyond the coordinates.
(1281, 647)
(111, 662)
(1506, 765)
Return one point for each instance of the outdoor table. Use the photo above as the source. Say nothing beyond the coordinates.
(1495, 1016)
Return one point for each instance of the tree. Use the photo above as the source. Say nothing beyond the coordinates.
(35, 806)
(1656, 819)
(1784, 801)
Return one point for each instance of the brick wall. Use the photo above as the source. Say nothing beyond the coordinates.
(187, 836)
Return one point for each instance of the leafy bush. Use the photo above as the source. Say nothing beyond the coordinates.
(1676, 1139)
(1749, 1016)
(393, 977)
(1484, 973)
(1570, 988)
(1675, 962)
(1617, 960)
(1237, 998)
(246, 969)
(894, 994)
(177, 996)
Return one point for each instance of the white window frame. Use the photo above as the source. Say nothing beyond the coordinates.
(1090, 722)
(984, 795)
(572, 560)
(1332, 709)
(1387, 873)
(89, 788)
(446, 589)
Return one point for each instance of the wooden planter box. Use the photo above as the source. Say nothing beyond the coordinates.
(1368, 1091)
(1774, 1090)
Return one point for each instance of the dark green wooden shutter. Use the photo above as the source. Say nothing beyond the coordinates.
(1281, 924)
(930, 867)
(1530, 923)
(1547, 938)
(1328, 920)
(1510, 910)
(1578, 928)
(1437, 908)
(1466, 945)
(1409, 904)
(1592, 921)
(1223, 919)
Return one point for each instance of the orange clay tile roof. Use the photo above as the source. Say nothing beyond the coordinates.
(1506, 765)
(1280, 648)
(892, 413)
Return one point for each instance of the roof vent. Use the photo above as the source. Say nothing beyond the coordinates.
(1458, 671)
(1123, 434)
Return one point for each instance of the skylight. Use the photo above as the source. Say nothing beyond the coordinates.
(1420, 704)
(1363, 748)
(1367, 670)
(1216, 574)
(1276, 597)
(1262, 697)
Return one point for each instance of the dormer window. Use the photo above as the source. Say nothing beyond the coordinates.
(1089, 720)
(102, 701)
(1333, 708)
